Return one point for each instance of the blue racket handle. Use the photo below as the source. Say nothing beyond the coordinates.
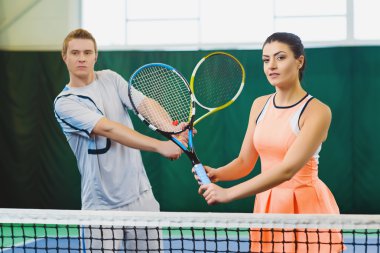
(201, 173)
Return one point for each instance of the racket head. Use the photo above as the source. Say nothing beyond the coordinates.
(216, 82)
(161, 98)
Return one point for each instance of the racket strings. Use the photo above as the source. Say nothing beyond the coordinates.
(167, 88)
(217, 81)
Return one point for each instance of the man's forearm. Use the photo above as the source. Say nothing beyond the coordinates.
(125, 135)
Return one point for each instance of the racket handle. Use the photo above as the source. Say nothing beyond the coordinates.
(201, 173)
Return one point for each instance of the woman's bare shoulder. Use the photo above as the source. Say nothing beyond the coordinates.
(317, 106)
(260, 101)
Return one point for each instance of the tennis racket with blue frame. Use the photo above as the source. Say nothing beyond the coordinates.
(162, 99)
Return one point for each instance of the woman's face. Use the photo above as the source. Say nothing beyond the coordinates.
(280, 65)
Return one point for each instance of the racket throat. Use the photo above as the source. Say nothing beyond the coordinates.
(194, 159)
(190, 148)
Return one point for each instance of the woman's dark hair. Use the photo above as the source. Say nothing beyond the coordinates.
(295, 44)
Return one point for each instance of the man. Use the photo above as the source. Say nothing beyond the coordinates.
(92, 111)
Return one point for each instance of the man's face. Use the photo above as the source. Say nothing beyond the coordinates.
(80, 57)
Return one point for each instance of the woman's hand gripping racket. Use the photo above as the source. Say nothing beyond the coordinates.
(216, 82)
(161, 98)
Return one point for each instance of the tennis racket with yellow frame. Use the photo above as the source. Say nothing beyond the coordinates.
(216, 82)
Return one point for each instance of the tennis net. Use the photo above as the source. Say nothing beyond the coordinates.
(31, 230)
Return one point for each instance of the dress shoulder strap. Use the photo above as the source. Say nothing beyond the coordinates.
(262, 113)
(297, 115)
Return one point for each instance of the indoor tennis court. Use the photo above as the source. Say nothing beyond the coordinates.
(56, 158)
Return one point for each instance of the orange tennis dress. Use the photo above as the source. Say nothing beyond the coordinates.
(276, 129)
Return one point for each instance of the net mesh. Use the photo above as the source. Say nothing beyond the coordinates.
(119, 231)
(217, 80)
(167, 101)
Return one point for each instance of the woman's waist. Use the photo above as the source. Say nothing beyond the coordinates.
(305, 176)
(298, 181)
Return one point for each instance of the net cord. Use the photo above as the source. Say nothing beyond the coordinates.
(188, 219)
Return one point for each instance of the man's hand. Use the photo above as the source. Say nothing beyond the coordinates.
(170, 150)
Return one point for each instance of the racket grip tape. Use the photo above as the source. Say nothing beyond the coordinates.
(201, 173)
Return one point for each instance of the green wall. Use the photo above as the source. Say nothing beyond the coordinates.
(38, 170)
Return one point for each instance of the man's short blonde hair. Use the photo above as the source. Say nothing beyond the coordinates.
(77, 34)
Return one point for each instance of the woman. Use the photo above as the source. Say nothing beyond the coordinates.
(286, 130)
